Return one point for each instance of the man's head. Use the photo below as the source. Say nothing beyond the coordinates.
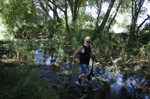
(87, 40)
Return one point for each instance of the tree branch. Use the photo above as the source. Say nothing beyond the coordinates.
(148, 17)
(43, 7)
(100, 29)
(56, 6)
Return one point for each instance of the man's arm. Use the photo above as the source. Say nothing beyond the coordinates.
(75, 53)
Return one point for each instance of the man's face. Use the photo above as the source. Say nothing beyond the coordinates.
(87, 41)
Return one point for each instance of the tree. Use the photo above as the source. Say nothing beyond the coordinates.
(117, 9)
(17, 12)
(100, 29)
(148, 18)
(74, 6)
(136, 10)
(103, 23)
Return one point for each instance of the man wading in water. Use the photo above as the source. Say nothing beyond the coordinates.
(85, 54)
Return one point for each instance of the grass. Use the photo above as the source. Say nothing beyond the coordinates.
(22, 83)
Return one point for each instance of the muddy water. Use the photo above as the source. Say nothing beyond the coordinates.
(110, 84)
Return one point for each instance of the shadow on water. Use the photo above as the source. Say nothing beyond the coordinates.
(110, 84)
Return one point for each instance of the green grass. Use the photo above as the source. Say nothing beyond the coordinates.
(22, 83)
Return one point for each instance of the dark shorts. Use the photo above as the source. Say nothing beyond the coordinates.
(85, 68)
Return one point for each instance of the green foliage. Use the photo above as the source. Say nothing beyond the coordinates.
(50, 28)
(108, 45)
(29, 30)
(26, 20)
(81, 28)
(15, 12)
(138, 41)
(22, 83)
(21, 51)
(32, 30)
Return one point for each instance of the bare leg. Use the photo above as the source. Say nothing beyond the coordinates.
(83, 78)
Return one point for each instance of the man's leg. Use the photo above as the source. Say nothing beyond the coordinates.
(83, 78)
(85, 70)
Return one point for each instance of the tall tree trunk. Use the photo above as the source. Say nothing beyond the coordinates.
(55, 13)
(99, 11)
(64, 11)
(76, 10)
(54, 10)
(74, 7)
(44, 8)
(71, 6)
(115, 14)
(47, 10)
(66, 17)
(136, 8)
(100, 29)
(133, 23)
(56, 16)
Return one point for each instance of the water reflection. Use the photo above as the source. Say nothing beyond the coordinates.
(48, 60)
(44, 58)
(126, 87)
(121, 86)
(39, 56)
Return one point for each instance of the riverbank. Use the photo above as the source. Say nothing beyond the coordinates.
(20, 82)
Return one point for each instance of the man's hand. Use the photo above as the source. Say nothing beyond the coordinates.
(93, 55)
(72, 63)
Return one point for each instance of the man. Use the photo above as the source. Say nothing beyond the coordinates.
(85, 54)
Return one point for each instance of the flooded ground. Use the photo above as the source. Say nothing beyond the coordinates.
(55, 68)
(110, 84)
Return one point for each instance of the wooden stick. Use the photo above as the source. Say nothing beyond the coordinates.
(72, 75)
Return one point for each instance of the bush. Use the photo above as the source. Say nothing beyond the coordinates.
(22, 83)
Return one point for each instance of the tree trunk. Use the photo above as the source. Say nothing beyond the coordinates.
(74, 7)
(54, 10)
(66, 17)
(100, 29)
(64, 11)
(136, 8)
(99, 11)
(133, 23)
(115, 14)
(137, 30)
(43, 7)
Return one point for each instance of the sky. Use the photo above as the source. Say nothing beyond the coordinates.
(2, 28)
(122, 19)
